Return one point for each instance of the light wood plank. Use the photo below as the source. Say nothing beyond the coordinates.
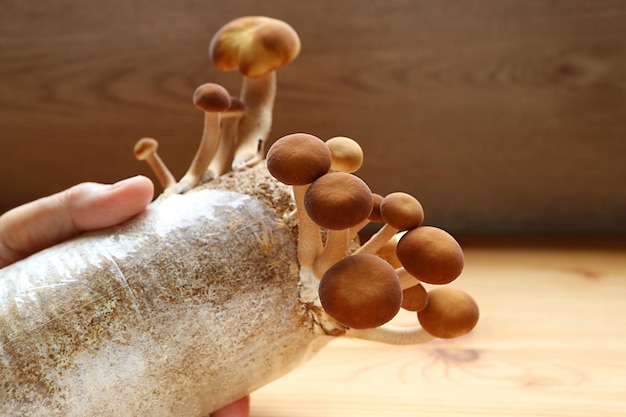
(551, 341)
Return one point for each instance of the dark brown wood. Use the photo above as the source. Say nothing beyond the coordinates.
(500, 116)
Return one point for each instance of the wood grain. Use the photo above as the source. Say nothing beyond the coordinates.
(551, 341)
(500, 116)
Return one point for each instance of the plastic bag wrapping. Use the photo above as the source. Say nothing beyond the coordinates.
(162, 316)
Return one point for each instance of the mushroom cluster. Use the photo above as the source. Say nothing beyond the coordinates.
(235, 128)
(364, 288)
(361, 289)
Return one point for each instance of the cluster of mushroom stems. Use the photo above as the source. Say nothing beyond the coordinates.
(235, 128)
(361, 289)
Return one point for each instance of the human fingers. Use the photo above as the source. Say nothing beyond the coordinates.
(239, 408)
(39, 224)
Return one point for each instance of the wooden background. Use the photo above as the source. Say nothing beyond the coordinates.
(501, 116)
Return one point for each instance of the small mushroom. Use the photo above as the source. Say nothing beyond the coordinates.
(256, 46)
(221, 162)
(212, 99)
(347, 154)
(146, 150)
(431, 255)
(400, 211)
(449, 313)
(298, 160)
(414, 298)
(336, 201)
(361, 292)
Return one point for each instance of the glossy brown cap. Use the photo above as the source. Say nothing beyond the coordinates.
(361, 291)
(449, 313)
(236, 108)
(211, 97)
(254, 45)
(298, 159)
(414, 298)
(431, 255)
(401, 211)
(338, 201)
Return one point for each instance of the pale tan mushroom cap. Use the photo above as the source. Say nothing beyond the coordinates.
(298, 159)
(347, 154)
(254, 45)
(361, 291)
(212, 98)
(144, 148)
(338, 201)
(401, 211)
(431, 255)
(449, 313)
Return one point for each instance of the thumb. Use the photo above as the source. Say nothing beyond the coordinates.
(88, 206)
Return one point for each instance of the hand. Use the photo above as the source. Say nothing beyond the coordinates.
(42, 223)
(239, 408)
(88, 206)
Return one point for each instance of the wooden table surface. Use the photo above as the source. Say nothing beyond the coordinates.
(551, 341)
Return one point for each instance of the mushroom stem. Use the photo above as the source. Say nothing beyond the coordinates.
(163, 174)
(204, 154)
(309, 239)
(334, 251)
(392, 335)
(221, 162)
(406, 280)
(378, 239)
(258, 95)
(356, 229)
(146, 149)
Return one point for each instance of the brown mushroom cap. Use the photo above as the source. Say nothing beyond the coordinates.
(449, 313)
(347, 154)
(375, 214)
(298, 159)
(401, 211)
(255, 45)
(414, 298)
(431, 255)
(338, 201)
(236, 108)
(144, 148)
(361, 292)
(212, 98)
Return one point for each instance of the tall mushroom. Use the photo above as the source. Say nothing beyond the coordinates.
(298, 160)
(212, 99)
(256, 46)
(146, 150)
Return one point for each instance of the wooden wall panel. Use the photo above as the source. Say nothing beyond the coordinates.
(500, 116)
